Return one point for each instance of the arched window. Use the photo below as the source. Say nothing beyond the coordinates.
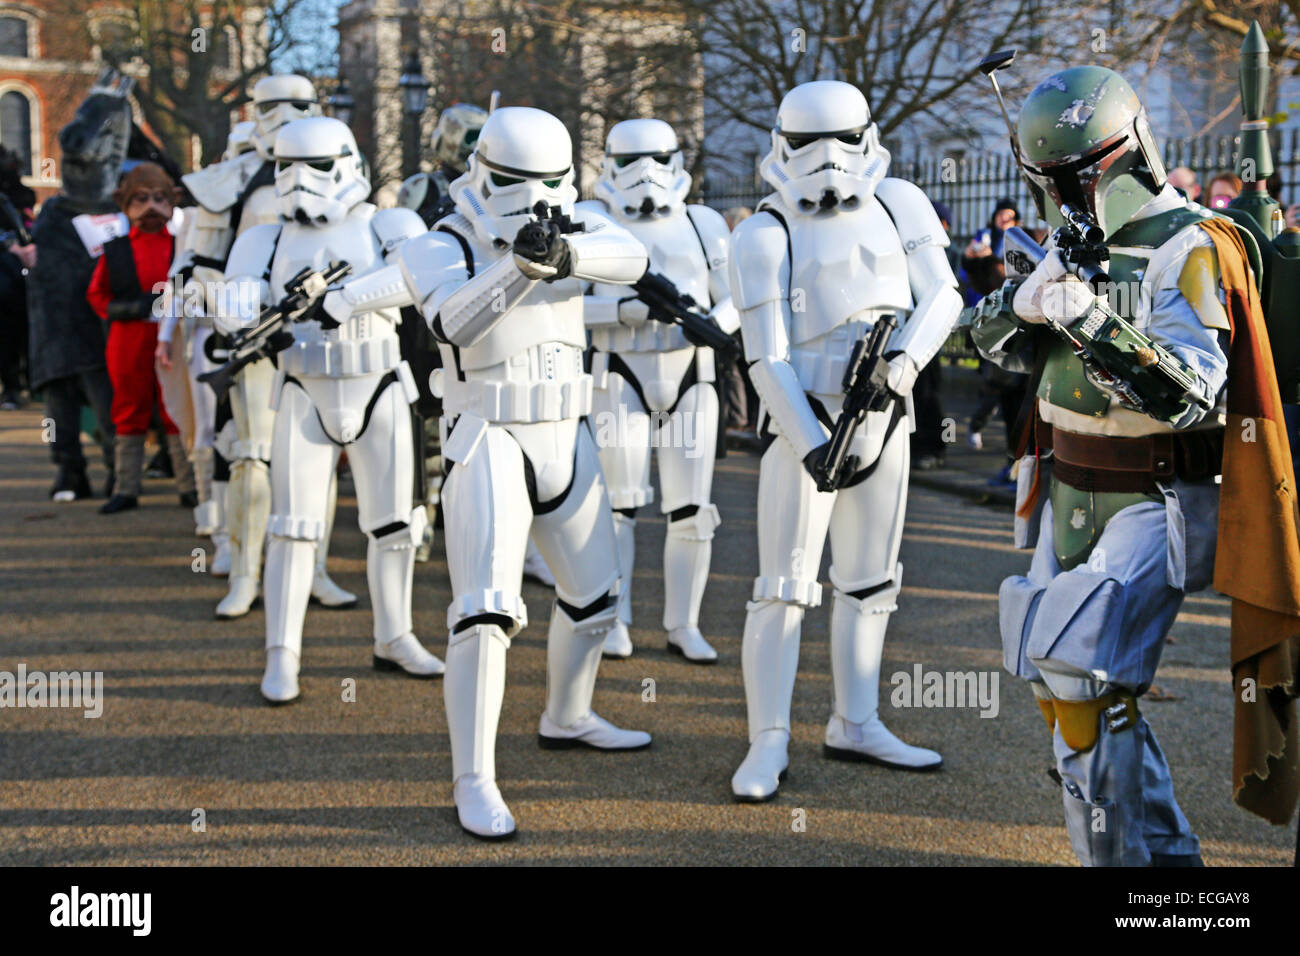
(13, 36)
(16, 128)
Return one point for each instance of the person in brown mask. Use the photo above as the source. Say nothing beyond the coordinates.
(123, 290)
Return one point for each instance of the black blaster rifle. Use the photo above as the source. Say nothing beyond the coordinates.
(269, 335)
(865, 390)
(668, 304)
(1115, 356)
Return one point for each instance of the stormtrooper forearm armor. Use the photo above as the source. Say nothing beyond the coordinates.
(775, 381)
(607, 254)
(465, 313)
(384, 288)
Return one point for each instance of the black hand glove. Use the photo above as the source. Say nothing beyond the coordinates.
(126, 310)
(815, 461)
(316, 313)
(277, 342)
(541, 241)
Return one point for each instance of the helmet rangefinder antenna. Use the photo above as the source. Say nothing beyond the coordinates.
(990, 65)
(494, 101)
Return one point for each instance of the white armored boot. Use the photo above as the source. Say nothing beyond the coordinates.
(572, 658)
(220, 566)
(855, 731)
(473, 691)
(288, 582)
(618, 642)
(390, 570)
(323, 590)
(248, 503)
(688, 549)
(769, 661)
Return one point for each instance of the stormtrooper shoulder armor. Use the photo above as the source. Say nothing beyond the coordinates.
(714, 234)
(914, 217)
(392, 227)
(760, 261)
(217, 187)
(252, 252)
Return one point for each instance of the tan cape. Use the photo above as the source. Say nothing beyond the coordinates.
(1257, 562)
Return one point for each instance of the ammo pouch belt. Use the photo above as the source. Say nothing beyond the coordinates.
(1127, 465)
(1080, 720)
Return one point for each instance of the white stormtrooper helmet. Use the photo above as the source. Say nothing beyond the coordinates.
(278, 100)
(319, 172)
(455, 135)
(240, 139)
(523, 156)
(825, 149)
(643, 173)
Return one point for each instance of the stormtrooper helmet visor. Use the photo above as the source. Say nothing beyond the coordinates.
(319, 173)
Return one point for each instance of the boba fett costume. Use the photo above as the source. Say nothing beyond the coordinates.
(1120, 495)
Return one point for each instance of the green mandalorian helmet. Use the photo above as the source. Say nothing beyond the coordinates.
(1085, 142)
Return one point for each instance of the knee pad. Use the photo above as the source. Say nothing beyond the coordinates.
(798, 591)
(694, 522)
(491, 605)
(295, 528)
(593, 619)
(401, 535)
(480, 627)
(1080, 721)
(879, 598)
(250, 449)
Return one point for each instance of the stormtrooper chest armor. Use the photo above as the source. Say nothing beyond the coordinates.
(675, 251)
(367, 342)
(529, 367)
(848, 265)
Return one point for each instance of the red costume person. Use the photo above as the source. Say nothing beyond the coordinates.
(123, 291)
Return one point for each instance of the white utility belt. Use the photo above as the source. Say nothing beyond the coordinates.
(342, 359)
(820, 369)
(653, 336)
(498, 401)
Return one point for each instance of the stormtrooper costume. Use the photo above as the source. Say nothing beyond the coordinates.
(832, 250)
(514, 392)
(336, 386)
(653, 388)
(233, 196)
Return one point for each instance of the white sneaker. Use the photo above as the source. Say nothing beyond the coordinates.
(238, 600)
(975, 440)
(481, 809)
(407, 654)
(871, 742)
(280, 682)
(220, 566)
(536, 569)
(618, 643)
(328, 594)
(760, 774)
(589, 731)
(690, 643)
(64, 497)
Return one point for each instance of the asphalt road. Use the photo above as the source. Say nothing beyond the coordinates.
(326, 781)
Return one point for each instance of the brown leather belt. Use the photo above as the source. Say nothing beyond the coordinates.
(1123, 465)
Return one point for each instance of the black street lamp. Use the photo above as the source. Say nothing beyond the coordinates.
(341, 102)
(415, 98)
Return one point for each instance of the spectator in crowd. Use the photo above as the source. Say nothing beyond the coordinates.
(121, 291)
(1184, 180)
(928, 448)
(999, 390)
(13, 289)
(1223, 189)
(981, 263)
(738, 391)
